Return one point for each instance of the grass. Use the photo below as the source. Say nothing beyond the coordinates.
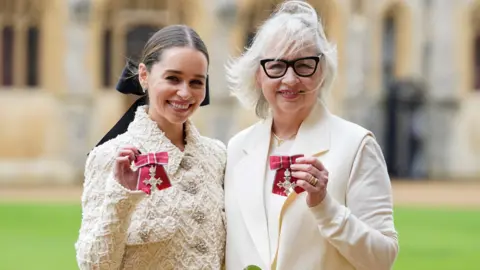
(438, 239)
(42, 237)
(38, 237)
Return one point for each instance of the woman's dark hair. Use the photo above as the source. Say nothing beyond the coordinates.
(170, 37)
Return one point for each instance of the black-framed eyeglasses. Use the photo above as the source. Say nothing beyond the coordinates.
(303, 67)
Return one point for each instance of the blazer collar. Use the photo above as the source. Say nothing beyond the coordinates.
(313, 137)
(249, 180)
(150, 138)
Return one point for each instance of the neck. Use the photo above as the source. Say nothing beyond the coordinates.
(286, 125)
(173, 131)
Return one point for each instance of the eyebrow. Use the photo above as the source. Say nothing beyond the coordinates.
(180, 73)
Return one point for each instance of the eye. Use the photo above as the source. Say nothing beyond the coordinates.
(304, 66)
(276, 66)
(197, 83)
(173, 79)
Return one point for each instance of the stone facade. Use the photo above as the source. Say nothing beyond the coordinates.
(59, 61)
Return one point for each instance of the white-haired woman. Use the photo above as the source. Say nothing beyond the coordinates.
(304, 189)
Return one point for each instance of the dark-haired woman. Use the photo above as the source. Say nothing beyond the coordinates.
(153, 196)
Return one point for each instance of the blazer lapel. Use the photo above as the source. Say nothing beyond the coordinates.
(250, 181)
(313, 137)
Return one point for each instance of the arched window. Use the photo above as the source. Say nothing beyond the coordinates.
(256, 14)
(389, 34)
(20, 34)
(32, 59)
(127, 25)
(396, 47)
(8, 41)
(389, 58)
(358, 7)
(476, 48)
(261, 10)
(136, 38)
(477, 61)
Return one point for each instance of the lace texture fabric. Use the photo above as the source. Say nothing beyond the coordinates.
(182, 227)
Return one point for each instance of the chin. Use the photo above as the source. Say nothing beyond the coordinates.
(168, 116)
(176, 118)
(179, 117)
(290, 106)
(294, 108)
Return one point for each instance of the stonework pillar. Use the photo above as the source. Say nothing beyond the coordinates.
(355, 57)
(77, 99)
(220, 120)
(360, 106)
(442, 80)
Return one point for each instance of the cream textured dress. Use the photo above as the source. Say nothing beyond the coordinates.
(182, 227)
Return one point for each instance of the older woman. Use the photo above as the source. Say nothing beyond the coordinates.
(304, 189)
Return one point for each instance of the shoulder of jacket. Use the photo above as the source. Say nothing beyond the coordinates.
(241, 136)
(216, 148)
(104, 155)
(214, 144)
(338, 126)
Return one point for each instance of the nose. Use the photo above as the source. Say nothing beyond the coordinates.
(290, 78)
(184, 92)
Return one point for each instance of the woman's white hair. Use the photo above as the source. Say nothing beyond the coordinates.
(293, 27)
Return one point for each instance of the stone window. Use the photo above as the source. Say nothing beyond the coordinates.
(388, 49)
(20, 41)
(358, 7)
(476, 48)
(127, 25)
(261, 10)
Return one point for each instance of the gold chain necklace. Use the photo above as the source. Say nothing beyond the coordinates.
(280, 140)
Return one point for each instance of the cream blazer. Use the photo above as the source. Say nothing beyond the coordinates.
(352, 228)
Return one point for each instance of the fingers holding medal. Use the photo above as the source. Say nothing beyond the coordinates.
(312, 177)
(122, 168)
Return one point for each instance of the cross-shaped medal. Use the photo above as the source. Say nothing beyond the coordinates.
(152, 181)
(286, 184)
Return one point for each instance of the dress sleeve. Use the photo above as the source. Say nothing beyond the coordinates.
(363, 231)
(106, 210)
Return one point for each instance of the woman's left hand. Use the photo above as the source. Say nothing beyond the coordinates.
(312, 177)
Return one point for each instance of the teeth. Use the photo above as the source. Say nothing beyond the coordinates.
(179, 106)
(289, 93)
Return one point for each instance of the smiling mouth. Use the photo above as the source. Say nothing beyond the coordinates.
(288, 92)
(179, 106)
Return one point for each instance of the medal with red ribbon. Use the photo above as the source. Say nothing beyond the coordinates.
(284, 183)
(152, 175)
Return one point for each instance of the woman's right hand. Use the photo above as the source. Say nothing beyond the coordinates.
(122, 171)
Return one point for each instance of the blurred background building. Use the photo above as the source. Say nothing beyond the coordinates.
(409, 70)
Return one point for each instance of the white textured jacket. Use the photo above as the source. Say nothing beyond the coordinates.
(181, 227)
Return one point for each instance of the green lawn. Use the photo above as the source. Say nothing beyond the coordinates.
(42, 237)
(38, 237)
(438, 239)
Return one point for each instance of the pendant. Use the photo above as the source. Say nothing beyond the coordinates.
(152, 181)
(279, 142)
(287, 185)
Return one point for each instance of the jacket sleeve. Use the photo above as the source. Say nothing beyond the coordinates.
(106, 212)
(363, 231)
